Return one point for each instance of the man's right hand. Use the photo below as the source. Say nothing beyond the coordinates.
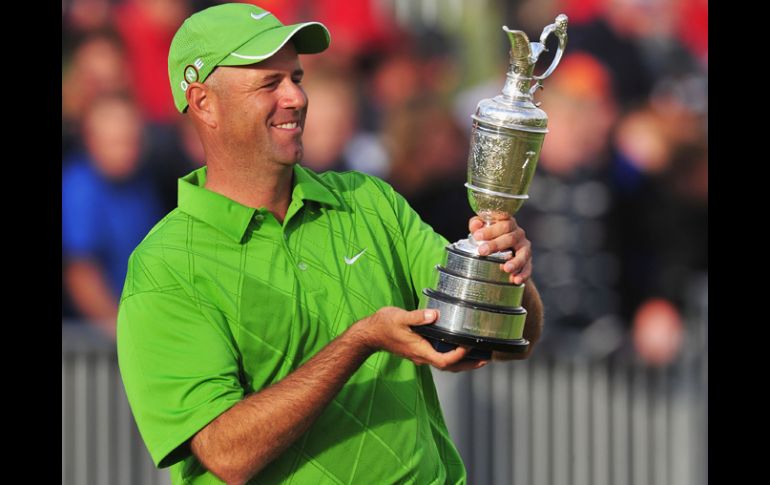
(390, 329)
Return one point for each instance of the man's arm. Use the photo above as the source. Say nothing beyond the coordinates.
(245, 438)
(533, 325)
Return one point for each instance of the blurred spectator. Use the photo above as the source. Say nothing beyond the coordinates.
(85, 15)
(422, 64)
(97, 68)
(108, 206)
(81, 18)
(428, 162)
(613, 39)
(437, 59)
(183, 155)
(358, 27)
(333, 139)
(332, 118)
(569, 214)
(395, 79)
(665, 236)
(692, 27)
(643, 43)
(658, 332)
(147, 27)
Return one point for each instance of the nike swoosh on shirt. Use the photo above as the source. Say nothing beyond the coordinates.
(257, 17)
(354, 258)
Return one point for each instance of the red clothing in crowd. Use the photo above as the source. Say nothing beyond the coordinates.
(147, 40)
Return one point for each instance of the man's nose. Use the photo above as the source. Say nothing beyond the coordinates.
(292, 95)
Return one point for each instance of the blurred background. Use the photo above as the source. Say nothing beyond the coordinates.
(616, 392)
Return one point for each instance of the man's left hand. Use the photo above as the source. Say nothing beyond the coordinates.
(500, 236)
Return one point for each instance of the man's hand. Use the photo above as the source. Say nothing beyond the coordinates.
(500, 236)
(390, 329)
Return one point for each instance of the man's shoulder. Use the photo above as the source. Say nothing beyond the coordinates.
(354, 186)
(152, 263)
(170, 230)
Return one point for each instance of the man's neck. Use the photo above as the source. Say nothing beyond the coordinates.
(268, 187)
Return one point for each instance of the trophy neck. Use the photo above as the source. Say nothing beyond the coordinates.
(518, 87)
(521, 64)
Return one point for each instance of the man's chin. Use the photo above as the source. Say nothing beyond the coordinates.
(293, 159)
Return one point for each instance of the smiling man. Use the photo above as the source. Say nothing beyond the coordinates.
(264, 330)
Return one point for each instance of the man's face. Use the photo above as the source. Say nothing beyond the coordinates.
(261, 109)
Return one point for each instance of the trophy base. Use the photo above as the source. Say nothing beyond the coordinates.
(473, 354)
(477, 344)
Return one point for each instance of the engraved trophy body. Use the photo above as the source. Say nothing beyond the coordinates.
(478, 306)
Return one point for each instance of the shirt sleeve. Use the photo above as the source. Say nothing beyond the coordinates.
(179, 367)
(423, 247)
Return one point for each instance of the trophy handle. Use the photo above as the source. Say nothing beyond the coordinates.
(559, 27)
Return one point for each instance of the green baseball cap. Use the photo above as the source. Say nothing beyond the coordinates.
(233, 34)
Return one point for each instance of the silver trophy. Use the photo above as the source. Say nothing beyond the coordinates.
(478, 305)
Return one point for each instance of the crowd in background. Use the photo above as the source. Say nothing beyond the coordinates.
(617, 214)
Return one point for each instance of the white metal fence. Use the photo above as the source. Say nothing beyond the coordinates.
(580, 422)
(540, 421)
(100, 441)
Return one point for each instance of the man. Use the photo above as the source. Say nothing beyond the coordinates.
(253, 316)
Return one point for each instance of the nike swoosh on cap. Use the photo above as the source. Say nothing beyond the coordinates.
(257, 17)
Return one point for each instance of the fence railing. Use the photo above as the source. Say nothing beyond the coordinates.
(582, 422)
(100, 441)
(542, 421)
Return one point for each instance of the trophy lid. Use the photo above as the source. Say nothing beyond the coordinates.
(514, 108)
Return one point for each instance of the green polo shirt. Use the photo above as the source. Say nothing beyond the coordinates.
(221, 300)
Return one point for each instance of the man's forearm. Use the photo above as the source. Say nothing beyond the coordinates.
(244, 439)
(533, 325)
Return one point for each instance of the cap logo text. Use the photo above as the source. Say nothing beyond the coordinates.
(190, 74)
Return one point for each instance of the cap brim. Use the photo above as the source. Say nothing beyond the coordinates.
(308, 37)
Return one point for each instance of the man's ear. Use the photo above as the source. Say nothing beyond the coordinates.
(201, 102)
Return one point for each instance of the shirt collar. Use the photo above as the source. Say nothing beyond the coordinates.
(233, 218)
(308, 186)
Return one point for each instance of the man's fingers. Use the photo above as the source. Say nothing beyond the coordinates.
(506, 241)
(423, 352)
(522, 276)
(442, 360)
(495, 230)
(518, 262)
(467, 365)
(475, 223)
(421, 317)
